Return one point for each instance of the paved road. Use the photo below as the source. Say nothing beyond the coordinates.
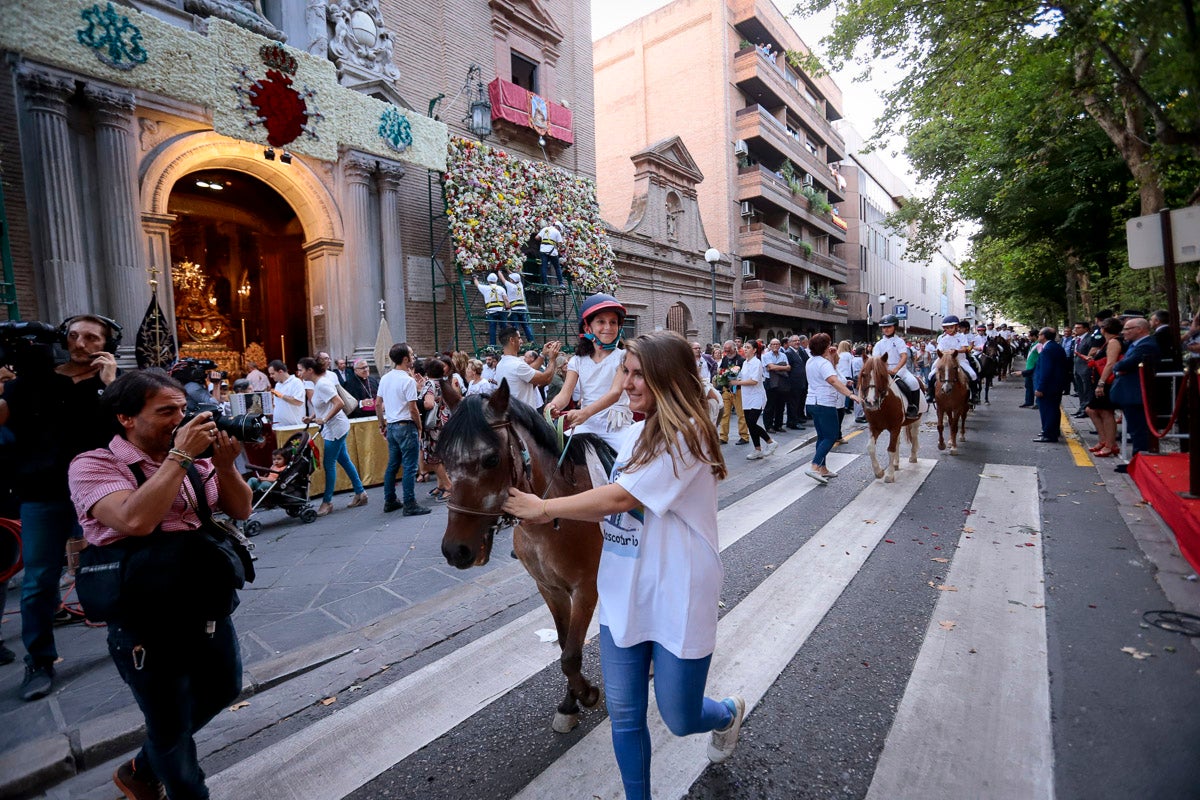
(959, 633)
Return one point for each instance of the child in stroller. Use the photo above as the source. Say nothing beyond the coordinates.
(285, 483)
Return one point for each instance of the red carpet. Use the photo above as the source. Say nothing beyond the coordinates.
(1161, 478)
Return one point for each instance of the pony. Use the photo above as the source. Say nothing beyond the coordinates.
(952, 395)
(884, 406)
(490, 444)
(1004, 357)
(989, 368)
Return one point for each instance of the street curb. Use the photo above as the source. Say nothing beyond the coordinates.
(35, 767)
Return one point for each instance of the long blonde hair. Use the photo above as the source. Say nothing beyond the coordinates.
(680, 409)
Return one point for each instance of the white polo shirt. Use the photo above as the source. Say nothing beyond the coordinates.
(397, 389)
(891, 347)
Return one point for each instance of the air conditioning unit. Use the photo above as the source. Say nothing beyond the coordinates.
(747, 268)
(740, 148)
(808, 179)
(747, 208)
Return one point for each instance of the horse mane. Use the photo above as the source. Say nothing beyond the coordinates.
(469, 424)
(877, 367)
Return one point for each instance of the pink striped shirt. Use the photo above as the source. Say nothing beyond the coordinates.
(98, 473)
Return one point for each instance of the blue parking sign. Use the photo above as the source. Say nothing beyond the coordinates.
(901, 312)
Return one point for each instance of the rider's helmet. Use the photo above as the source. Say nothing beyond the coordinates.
(888, 319)
(981, 328)
(950, 320)
(597, 303)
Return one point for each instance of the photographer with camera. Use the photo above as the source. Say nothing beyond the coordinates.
(193, 374)
(54, 414)
(182, 665)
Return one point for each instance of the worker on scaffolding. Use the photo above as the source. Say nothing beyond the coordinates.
(495, 304)
(551, 240)
(518, 311)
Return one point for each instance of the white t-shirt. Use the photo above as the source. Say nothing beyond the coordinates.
(951, 341)
(595, 379)
(752, 396)
(820, 393)
(397, 389)
(324, 390)
(660, 569)
(551, 239)
(891, 347)
(284, 413)
(516, 295)
(978, 340)
(489, 375)
(480, 386)
(518, 373)
(493, 296)
(845, 366)
(1006, 335)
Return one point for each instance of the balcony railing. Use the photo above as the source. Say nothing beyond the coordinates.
(758, 181)
(755, 122)
(766, 297)
(755, 71)
(758, 240)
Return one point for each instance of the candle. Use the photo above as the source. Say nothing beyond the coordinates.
(282, 349)
(243, 335)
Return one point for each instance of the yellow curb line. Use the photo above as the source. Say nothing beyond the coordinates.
(856, 433)
(1082, 457)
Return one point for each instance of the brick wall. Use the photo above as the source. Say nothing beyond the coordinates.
(15, 202)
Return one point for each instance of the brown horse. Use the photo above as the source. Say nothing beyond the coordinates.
(952, 395)
(490, 444)
(884, 406)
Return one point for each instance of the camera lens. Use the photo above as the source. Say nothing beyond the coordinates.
(243, 427)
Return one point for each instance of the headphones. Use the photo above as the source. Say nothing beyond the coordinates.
(112, 338)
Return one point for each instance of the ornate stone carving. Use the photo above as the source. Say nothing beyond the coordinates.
(239, 12)
(357, 167)
(45, 91)
(112, 107)
(361, 45)
(390, 175)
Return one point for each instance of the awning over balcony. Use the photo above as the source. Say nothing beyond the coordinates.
(522, 107)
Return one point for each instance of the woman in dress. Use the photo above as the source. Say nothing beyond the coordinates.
(434, 401)
(824, 388)
(754, 398)
(1100, 409)
(660, 570)
(595, 370)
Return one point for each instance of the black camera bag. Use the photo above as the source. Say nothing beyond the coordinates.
(166, 575)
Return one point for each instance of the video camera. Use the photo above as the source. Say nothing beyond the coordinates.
(192, 370)
(243, 427)
(32, 347)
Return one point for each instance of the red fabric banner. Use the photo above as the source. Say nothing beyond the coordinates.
(511, 103)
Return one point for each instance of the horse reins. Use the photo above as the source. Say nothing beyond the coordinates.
(518, 453)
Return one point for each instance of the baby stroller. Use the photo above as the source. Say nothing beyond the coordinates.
(289, 490)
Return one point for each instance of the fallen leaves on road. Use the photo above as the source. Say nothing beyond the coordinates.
(968, 530)
(941, 560)
(942, 587)
(240, 705)
(1138, 655)
(889, 541)
(328, 701)
(869, 521)
(947, 624)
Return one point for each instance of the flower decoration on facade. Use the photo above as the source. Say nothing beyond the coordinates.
(272, 101)
(395, 130)
(116, 40)
(495, 201)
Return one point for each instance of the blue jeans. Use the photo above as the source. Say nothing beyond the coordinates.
(403, 448)
(336, 453)
(520, 319)
(554, 262)
(45, 529)
(825, 420)
(494, 321)
(184, 681)
(679, 690)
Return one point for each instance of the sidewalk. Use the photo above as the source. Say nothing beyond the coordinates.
(319, 589)
(335, 602)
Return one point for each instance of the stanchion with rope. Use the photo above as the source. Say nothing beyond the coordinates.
(10, 548)
(1157, 434)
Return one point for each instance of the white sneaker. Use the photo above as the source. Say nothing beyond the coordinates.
(754, 455)
(816, 476)
(721, 746)
(770, 449)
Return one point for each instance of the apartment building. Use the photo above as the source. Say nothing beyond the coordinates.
(717, 75)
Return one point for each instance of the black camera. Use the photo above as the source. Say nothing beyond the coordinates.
(243, 427)
(31, 347)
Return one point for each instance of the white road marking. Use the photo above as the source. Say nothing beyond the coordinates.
(975, 718)
(755, 642)
(345, 750)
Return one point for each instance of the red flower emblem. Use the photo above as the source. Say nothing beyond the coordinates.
(282, 108)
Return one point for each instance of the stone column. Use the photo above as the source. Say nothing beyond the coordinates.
(359, 289)
(392, 246)
(65, 281)
(125, 279)
(324, 271)
(156, 238)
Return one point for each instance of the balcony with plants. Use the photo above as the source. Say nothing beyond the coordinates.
(771, 83)
(774, 140)
(786, 189)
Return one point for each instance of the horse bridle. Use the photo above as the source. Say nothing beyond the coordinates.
(518, 453)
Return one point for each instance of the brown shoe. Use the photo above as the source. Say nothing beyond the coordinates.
(324, 509)
(359, 500)
(136, 788)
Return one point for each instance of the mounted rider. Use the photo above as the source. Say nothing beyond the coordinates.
(894, 349)
(951, 341)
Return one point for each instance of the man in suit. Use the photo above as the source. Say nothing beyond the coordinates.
(1126, 390)
(1050, 377)
(797, 383)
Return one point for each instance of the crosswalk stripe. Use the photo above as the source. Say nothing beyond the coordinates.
(755, 642)
(975, 717)
(336, 755)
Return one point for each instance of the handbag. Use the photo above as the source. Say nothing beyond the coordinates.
(193, 575)
(349, 401)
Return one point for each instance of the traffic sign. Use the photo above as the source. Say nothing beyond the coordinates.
(901, 311)
(1145, 238)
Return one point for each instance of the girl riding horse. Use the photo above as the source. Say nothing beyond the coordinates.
(884, 406)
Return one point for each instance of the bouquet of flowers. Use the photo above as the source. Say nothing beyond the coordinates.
(724, 376)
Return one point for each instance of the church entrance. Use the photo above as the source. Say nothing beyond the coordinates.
(238, 271)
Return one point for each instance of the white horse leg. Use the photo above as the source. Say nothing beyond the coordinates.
(914, 431)
(874, 461)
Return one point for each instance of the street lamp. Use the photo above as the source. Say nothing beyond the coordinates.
(712, 255)
(882, 309)
(479, 116)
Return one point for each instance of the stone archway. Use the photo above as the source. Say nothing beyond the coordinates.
(679, 319)
(305, 191)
